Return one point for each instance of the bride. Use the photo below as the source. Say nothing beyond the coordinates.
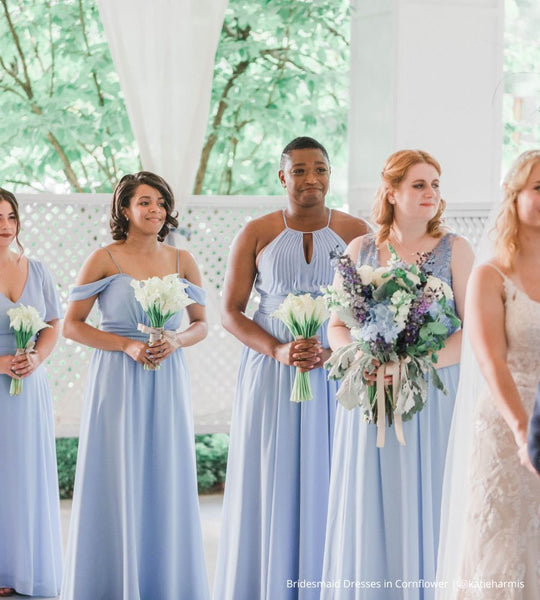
(495, 553)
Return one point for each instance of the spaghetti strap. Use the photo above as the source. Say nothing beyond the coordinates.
(287, 227)
(505, 277)
(178, 261)
(114, 261)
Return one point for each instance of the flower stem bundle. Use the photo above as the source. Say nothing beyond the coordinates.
(26, 322)
(303, 315)
(160, 298)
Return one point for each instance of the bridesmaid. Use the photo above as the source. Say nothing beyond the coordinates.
(135, 529)
(384, 507)
(30, 536)
(278, 471)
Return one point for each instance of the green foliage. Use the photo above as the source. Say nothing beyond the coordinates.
(64, 124)
(521, 102)
(281, 71)
(66, 458)
(210, 451)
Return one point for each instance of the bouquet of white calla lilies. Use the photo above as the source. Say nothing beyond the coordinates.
(303, 315)
(160, 298)
(26, 322)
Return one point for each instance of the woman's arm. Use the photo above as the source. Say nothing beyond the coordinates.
(486, 326)
(76, 328)
(461, 265)
(338, 333)
(239, 278)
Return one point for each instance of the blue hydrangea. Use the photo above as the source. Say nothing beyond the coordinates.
(380, 324)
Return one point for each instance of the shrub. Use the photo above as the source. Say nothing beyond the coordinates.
(66, 458)
(210, 451)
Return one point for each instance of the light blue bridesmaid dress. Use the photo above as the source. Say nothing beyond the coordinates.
(30, 535)
(384, 506)
(135, 527)
(278, 471)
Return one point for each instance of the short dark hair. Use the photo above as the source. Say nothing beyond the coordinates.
(9, 197)
(125, 190)
(301, 143)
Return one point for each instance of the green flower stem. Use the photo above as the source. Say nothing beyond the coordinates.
(302, 387)
(15, 387)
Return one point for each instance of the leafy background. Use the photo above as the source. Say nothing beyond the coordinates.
(281, 70)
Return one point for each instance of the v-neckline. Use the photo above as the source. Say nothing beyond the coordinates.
(24, 287)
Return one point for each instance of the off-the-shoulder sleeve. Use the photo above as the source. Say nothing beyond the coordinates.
(53, 308)
(195, 292)
(83, 292)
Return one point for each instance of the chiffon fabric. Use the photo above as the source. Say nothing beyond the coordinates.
(500, 556)
(384, 505)
(30, 535)
(135, 527)
(274, 511)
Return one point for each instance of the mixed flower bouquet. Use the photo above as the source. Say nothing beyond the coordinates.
(303, 315)
(399, 317)
(26, 322)
(160, 298)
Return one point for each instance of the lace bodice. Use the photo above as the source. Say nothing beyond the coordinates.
(522, 336)
(503, 519)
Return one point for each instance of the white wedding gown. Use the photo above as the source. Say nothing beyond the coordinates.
(502, 536)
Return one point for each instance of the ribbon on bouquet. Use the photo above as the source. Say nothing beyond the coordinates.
(394, 370)
(28, 349)
(156, 333)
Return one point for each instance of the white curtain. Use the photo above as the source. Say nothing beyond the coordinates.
(163, 51)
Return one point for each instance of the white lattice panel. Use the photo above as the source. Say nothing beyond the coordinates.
(63, 230)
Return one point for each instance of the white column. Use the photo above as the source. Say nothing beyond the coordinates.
(427, 74)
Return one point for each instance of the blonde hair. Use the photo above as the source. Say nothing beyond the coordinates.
(394, 172)
(507, 224)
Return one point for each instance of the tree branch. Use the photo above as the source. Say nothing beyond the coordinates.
(213, 137)
(101, 99)
(27, 86)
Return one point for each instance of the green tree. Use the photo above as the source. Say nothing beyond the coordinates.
(64, 124)
(281, 70)
(521, 103)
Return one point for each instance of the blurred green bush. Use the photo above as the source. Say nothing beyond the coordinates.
(210, 451)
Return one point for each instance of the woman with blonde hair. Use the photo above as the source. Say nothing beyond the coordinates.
(383, 516)
(490, 534)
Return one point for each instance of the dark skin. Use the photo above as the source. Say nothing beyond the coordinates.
(305, 176)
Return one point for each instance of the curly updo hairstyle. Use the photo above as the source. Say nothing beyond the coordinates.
(9, 197)
(124, 192)
(394, 172)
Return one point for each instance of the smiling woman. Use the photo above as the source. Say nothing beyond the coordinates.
(135, 530)
(279, 459)
(384, 503)
(29, 510)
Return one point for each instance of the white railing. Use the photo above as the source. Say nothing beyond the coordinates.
(63, 230)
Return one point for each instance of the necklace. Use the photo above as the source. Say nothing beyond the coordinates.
(394, 240)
